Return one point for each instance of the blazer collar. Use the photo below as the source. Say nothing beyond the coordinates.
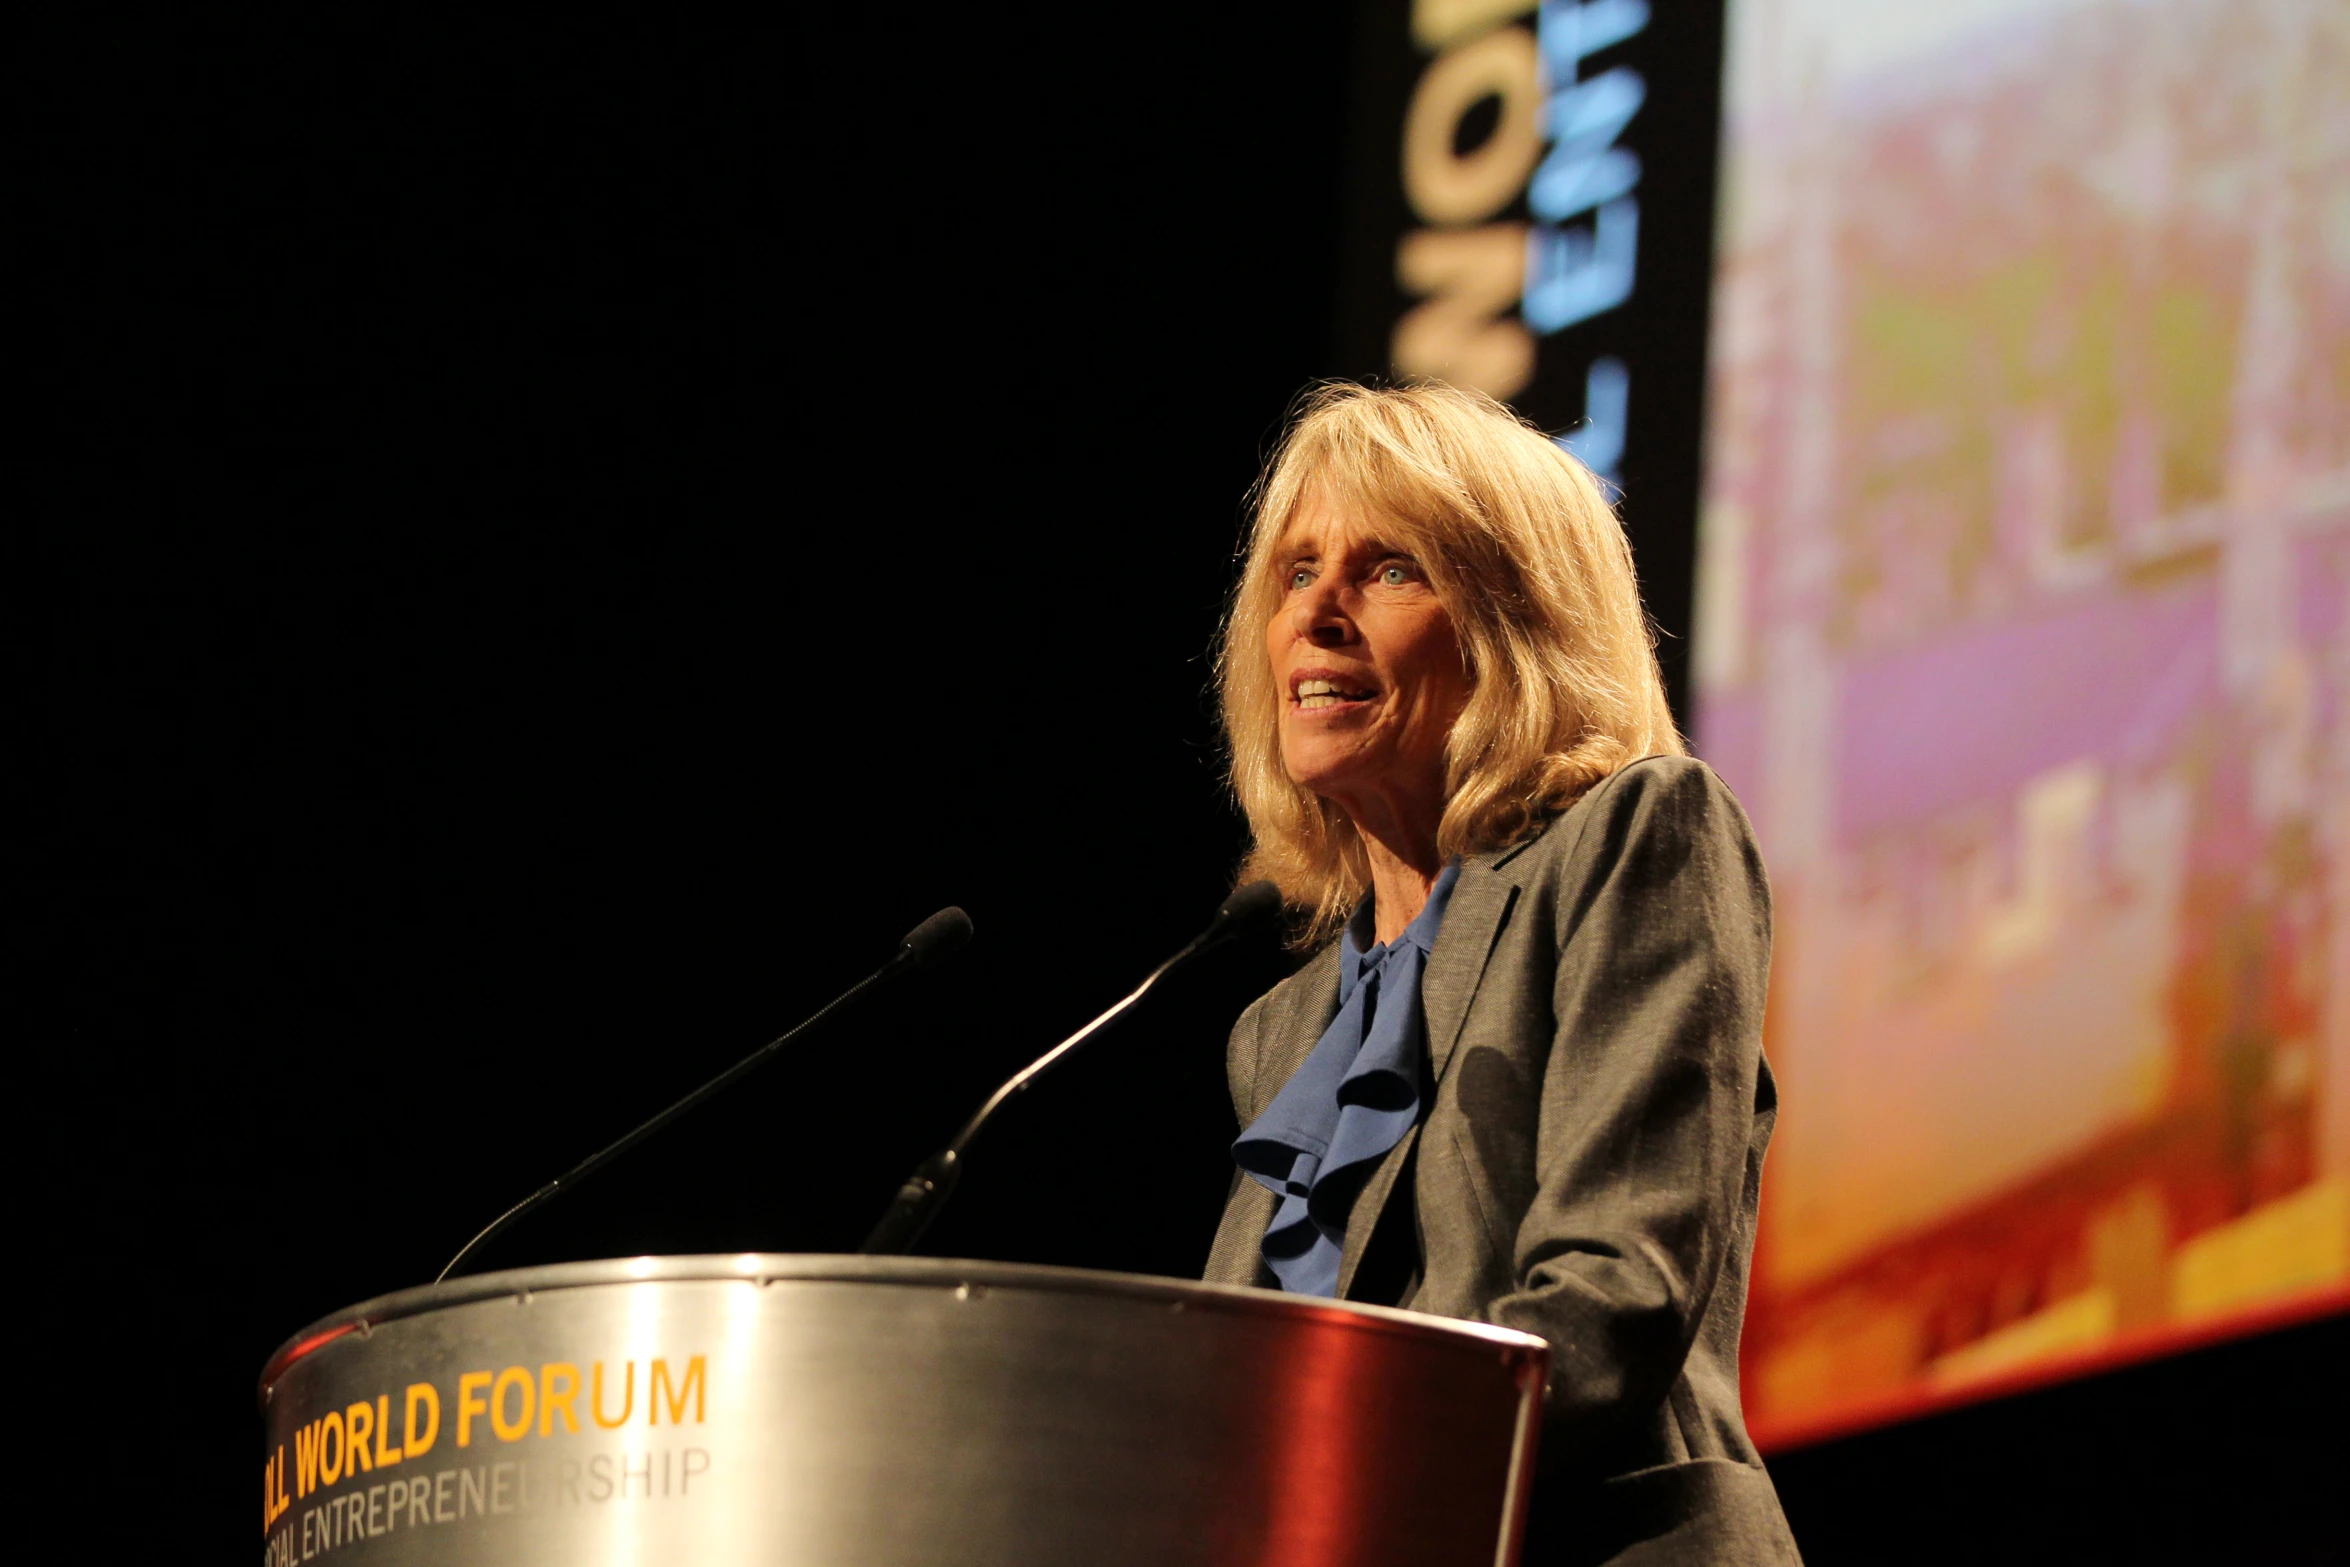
(1481, 903)
(1297, 1014)
(1481, 900)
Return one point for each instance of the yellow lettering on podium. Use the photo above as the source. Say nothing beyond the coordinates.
(412, 1444)
(471, 1383)
(358, 1426)
(387, 1452)
(656, 1385)
(627, 1396)
(519, 1426)
(330, 1469)
(558, 1389)
(306, 1446)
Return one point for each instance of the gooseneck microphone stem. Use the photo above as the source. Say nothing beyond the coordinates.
(579, 1172)
(1045, 1063)
(934, 938)
(926, 1191)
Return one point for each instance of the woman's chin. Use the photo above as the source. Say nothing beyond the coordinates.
(1331, 777)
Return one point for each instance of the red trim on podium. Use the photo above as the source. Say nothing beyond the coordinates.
(315, 1341)
(1780, 1436)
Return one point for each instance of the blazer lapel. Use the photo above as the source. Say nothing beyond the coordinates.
(1481, 902)
(1363, 1218)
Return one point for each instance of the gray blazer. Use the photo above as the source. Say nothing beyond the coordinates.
(1586, 1165)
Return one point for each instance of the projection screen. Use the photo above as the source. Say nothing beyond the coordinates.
(2023, 630)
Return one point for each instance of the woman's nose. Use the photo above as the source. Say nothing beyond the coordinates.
(1321, 616)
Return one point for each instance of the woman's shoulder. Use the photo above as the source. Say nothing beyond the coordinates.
(1316, 978)
(1656, 801)
(1286, 1010)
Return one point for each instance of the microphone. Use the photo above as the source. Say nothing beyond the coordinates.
(926, 1191)
(937, 937)
(940, 936)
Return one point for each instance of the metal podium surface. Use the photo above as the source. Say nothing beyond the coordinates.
(892, 1411)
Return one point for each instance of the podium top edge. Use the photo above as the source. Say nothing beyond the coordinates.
(940, 1273)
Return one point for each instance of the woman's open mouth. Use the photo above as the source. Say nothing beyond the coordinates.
(1313, 696)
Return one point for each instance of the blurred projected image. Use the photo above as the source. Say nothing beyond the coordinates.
(2024, 632)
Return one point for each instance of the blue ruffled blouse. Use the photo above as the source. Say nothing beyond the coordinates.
(1352, 1100)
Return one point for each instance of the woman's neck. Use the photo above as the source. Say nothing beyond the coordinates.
(1399, 839)
(1399, 889)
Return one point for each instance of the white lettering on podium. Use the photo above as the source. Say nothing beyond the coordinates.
(456, 1494)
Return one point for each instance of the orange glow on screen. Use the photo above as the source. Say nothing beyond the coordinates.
(2024, 633)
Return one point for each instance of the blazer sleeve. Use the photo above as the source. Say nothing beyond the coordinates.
(1649, 1095)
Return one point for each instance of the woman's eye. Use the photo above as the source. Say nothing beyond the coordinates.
(1299, 578)
(1394, 575)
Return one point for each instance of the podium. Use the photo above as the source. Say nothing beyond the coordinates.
(896, 1412)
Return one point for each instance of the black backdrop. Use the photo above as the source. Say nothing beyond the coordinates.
(542, 547)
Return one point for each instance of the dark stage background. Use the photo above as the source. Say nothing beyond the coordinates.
(541, 548)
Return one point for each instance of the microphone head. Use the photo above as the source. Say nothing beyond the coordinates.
(939, 936)
(1254, 907)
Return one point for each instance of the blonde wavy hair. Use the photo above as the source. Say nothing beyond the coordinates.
(1523, 551)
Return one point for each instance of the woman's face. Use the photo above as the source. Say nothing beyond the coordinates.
(1366, 661)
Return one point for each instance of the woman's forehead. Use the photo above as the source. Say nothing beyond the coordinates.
(1326, 524)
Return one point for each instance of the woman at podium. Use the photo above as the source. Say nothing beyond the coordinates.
(1520, 1078)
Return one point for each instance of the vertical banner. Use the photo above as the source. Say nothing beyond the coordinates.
(1531, 216)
